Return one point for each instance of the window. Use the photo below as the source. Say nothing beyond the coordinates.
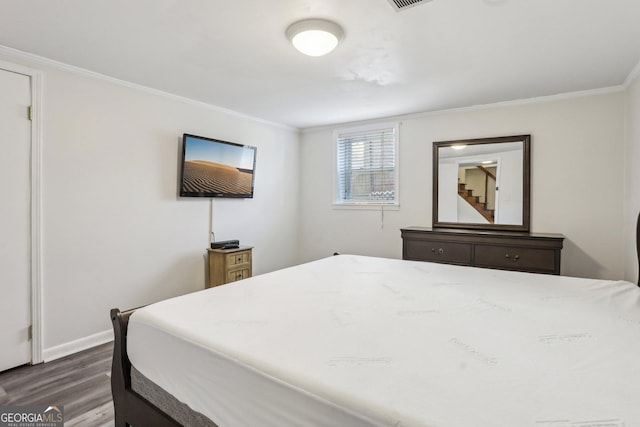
(366, 166)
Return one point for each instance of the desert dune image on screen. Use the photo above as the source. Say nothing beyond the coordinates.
(213, 167)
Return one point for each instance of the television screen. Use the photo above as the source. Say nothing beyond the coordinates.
(215, 168)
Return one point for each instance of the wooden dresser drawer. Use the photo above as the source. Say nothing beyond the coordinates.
(240, 274)
(238, 258)
(515, 258)
(530, 252)
(437, 251)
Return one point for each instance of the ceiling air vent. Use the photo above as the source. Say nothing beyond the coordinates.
(399, 5)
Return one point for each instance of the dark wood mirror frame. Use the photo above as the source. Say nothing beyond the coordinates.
(526, 183)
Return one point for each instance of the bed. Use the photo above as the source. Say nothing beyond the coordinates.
(361, 341)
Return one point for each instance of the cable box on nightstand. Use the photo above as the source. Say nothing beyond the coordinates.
(225, 244)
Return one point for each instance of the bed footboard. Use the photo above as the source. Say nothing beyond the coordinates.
(130, 408)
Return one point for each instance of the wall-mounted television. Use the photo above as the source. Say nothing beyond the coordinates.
(216, 168)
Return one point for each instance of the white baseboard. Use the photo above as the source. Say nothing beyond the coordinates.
(62, 350)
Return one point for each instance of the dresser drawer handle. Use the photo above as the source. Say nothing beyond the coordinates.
(514, 259)
(438, 251)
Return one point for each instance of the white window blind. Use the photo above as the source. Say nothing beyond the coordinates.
(366, 167)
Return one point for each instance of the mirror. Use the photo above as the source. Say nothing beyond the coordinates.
(482, 183)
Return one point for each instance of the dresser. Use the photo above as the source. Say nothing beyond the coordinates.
(518, 251)
(228, 265)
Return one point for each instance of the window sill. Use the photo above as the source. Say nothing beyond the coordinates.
(366, 206)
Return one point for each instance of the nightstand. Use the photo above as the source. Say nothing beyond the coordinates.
(228, 265)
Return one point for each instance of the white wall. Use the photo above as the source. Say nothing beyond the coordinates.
(114, 232)
(632, 166)
(448, 198)
(466, 213)
(572, 138)
(510, 187)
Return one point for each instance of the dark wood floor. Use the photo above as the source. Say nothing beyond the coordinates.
(80, 382)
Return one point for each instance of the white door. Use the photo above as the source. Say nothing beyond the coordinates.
(15, 219)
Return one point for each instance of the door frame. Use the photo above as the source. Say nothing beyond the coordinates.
(35, 80)
(496, 203)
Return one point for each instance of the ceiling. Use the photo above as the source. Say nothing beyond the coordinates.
(438, 55)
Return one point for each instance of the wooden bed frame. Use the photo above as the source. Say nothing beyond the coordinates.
(130, 407)
(133, 409)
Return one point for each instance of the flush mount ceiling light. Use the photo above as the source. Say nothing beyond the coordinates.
(314, 37)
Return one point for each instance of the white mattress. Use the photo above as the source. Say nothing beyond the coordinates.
(359, 341)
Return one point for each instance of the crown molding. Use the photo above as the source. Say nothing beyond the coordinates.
(479, 107)
(15, 54)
